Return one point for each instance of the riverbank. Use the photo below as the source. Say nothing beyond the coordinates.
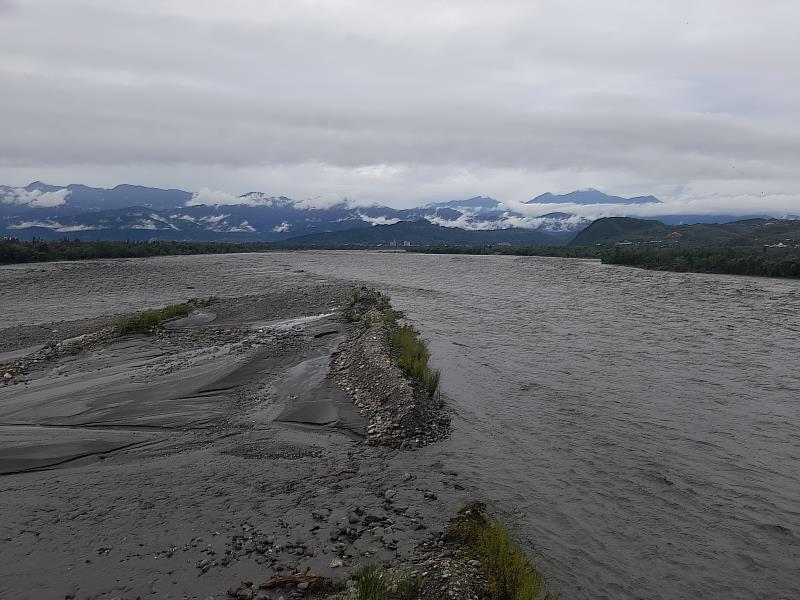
(473, 558)
(209, 449)
(596, 408)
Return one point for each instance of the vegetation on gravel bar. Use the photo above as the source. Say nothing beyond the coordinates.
(510, 574)
(144, 321)
(410, 351)
(412, 357)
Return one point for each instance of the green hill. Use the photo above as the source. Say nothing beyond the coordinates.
(425, 233)
(642, 232)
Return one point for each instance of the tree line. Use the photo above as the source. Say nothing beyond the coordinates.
(765, 262)
(18, 251)
(754, 260)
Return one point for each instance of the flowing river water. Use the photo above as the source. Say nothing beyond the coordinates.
(639, 428)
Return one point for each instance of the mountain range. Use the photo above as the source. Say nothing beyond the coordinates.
(134, 212)
(131, 212)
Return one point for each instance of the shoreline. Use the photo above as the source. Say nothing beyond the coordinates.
(214, 450)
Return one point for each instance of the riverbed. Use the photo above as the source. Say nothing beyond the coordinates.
(638, 427)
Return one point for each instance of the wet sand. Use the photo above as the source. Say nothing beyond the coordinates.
(215, 452)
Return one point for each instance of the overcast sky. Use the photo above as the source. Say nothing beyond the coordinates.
(694, 101)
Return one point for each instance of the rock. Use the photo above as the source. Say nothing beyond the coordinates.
(388, 494)
(302, 586)
(350, 584)
(245, 594)
(336, 563)
(353, 518)
(408, 477)
(8, 376)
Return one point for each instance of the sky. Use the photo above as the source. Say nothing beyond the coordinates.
(404, 103)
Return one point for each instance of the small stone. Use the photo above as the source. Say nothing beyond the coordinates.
(8, 376)
(336, 563)
(353, 518)
(407, 477)
(350, 584)
(302, 586)
(390, 494)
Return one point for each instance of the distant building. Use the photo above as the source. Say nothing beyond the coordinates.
(406, 243)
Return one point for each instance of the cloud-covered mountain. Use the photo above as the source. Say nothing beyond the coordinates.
(135, 212)
(591, 196)
(424, 232)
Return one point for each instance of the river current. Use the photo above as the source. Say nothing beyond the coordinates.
(639, 428)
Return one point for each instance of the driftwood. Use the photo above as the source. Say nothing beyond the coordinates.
(313, 581)
(338, 473)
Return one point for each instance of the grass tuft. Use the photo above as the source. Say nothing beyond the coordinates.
(377, 583)
(372, 584)
(412, 358)
(368, 307)
(510, 575)
(364, 299)
(144, 321)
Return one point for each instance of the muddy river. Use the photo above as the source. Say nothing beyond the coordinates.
(639, 428)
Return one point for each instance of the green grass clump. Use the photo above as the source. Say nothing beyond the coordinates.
(370, 307)
(364, 299)
(376, 583)
(412, 358)
(371, 584)
(510, 575)
(144, 321)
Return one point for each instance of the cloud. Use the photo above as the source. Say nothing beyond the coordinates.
(207, 197)
(406, 103)
(54, 225)
(321, 202)
(35, 198)
(380, 220)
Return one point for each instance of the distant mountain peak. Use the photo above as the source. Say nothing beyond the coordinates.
(591, 196)
(41, 187)
(475, 204)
